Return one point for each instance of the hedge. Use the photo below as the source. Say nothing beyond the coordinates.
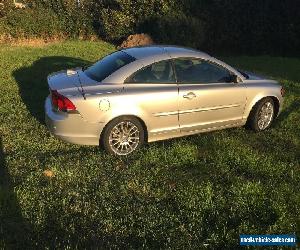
(32, 23)
(229, 26)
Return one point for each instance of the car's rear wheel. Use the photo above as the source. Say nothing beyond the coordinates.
(123, 136)
(262, 115)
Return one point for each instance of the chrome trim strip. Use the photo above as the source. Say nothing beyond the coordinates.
(208, 109)
(195, 110)
(166, 113)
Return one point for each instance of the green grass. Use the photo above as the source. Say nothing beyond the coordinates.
(195, 192)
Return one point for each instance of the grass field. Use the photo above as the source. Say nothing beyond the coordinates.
(195, 192)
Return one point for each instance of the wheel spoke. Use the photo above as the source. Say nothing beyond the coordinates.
(115, 134)
(134, 137)
(117, 142)
(134, 132)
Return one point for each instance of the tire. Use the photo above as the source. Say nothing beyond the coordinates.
(123, 135)
(262, 115)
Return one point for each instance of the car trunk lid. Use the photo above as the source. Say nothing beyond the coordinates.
(64, 79)
(70, 79)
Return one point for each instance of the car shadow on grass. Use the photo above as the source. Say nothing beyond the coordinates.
(32, 81)
(14, 230)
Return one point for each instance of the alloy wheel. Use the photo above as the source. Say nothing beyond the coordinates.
(124, 138)
(265, 115)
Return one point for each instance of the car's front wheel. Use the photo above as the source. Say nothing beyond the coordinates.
(262, 115)
(123, 135)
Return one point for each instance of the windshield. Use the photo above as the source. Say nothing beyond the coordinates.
(109, 64)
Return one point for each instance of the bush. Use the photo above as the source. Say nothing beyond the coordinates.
(122, 18)
(177, 29)
(162, 19)
(45, 23)
(5, 8)
(76, 18)
(250, 26)
(116, 25)
(30, 23)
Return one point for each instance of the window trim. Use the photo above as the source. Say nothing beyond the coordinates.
(171, 64)
(202, 59)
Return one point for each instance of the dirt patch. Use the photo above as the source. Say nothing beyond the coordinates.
(38, 42)
(136, 40)
(31, 42)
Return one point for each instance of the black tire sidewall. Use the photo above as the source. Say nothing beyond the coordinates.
(106, 132)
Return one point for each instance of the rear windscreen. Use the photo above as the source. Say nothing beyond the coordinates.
(109, 64)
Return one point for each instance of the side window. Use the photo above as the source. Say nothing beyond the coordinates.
(160, 72)
(200, 71)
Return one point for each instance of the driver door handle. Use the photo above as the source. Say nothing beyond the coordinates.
(190, 95)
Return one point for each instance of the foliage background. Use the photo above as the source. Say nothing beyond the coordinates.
(234, 26)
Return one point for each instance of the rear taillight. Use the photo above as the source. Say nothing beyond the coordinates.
(61, 102)
(282, 91)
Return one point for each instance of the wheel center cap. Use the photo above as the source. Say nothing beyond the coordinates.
(124, 138)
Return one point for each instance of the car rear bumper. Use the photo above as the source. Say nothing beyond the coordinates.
(71, 127)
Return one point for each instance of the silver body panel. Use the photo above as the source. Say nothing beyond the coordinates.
(162, 108)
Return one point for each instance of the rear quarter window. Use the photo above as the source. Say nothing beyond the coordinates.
(108, 65)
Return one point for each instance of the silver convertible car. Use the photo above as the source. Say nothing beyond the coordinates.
(151, 93)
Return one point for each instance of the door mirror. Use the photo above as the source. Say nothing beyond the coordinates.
(234, 79)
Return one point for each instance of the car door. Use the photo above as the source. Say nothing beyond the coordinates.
(153, 92)
(208, 98)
